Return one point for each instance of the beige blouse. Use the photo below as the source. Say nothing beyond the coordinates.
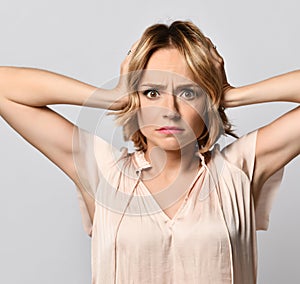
(212, 237)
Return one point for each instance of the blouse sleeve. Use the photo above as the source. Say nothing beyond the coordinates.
(90, 155)
(241, 153)
(87, 172)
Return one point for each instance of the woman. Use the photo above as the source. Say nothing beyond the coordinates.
(177, 210)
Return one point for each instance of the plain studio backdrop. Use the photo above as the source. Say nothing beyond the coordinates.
(42, 238)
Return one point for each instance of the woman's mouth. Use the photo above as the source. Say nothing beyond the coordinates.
(170, 130)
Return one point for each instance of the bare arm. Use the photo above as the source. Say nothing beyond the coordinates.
(24, 96)
(278, 142)
(285, 87)
(38, 88)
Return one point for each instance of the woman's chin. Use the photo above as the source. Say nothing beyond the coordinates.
(174, 145)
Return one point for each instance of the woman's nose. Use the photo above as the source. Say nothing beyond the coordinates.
(170, 108)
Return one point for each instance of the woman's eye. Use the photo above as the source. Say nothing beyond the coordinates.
(151, 94)
(188, 94)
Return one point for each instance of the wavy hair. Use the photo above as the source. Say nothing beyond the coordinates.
(192, 44)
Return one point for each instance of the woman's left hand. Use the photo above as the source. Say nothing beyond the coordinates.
(219, 64)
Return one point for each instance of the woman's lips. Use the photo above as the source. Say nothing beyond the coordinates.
(170, 130)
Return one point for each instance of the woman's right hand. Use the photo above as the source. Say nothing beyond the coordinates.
(122, 87)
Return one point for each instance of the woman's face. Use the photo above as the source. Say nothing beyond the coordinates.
(171, 104)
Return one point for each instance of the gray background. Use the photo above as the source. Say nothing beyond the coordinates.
(42, 238)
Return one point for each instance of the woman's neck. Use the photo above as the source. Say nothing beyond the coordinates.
(168, 163)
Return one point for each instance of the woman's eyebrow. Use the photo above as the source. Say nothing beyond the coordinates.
(162, 86)
(188, 85)
(153, 85)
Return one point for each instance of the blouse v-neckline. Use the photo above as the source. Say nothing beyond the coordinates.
(179, 211)
(142, 164)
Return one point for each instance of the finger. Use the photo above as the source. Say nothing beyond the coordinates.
(211, 44)
(212, 48)
(125, 63)
(133, 47)
(214, 52)
(209, 41)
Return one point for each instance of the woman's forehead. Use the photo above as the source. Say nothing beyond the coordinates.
(165, 78)
(169, 61)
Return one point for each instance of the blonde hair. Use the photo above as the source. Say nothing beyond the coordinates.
(192, 44)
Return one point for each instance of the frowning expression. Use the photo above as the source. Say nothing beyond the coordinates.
(172, 105)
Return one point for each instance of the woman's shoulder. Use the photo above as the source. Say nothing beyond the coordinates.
(237, 155)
